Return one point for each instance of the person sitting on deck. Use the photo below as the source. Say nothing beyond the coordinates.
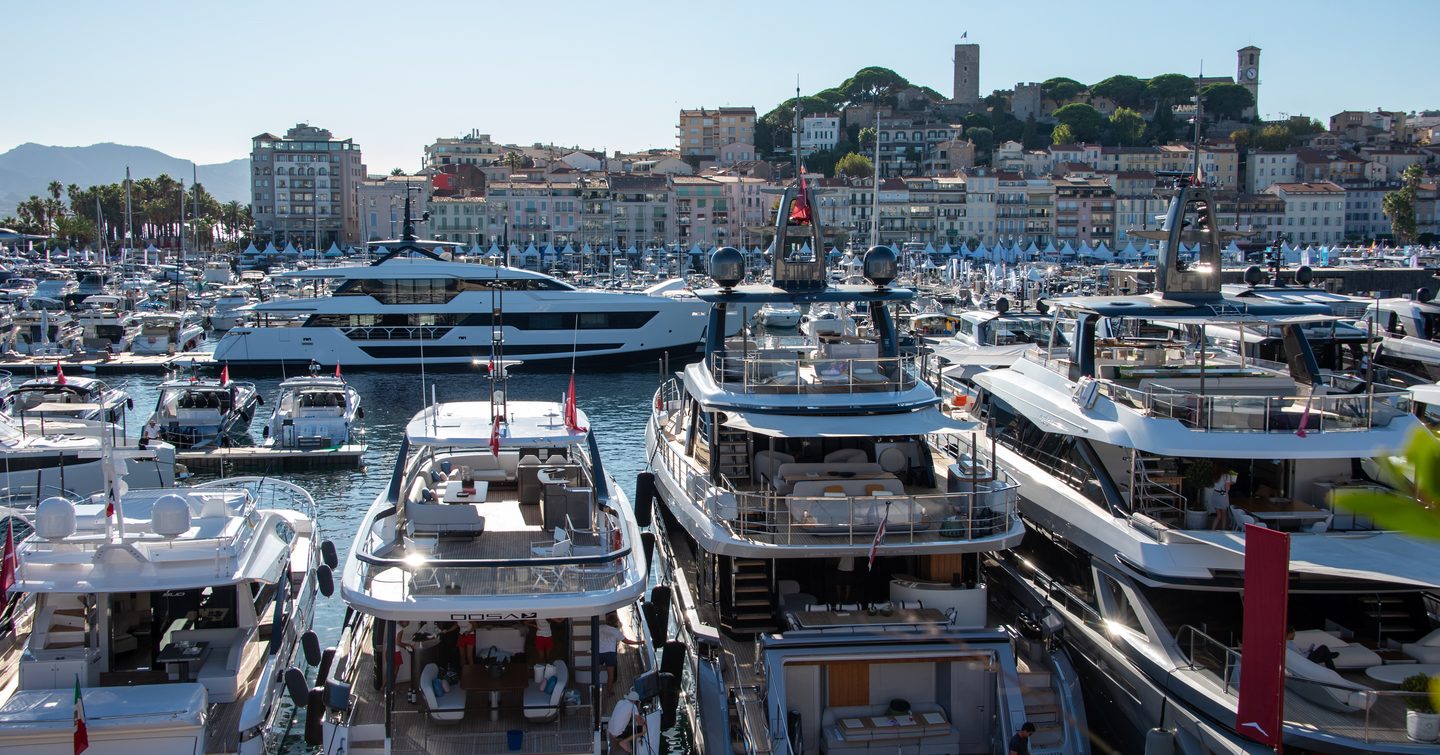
(626, 722)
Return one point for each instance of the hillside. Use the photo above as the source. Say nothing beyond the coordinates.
(29, 168)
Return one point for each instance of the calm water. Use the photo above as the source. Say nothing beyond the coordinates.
(617, 403)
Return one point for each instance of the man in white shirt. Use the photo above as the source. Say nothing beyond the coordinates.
(626, 722)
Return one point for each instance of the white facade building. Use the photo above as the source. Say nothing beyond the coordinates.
(819, 132)
(1314, 212)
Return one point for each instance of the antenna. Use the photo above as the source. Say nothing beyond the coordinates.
(1199, 112)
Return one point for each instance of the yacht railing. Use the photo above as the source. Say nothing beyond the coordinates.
(986, 510)
(767, 373)
(395, 333)
(423, 571)
(1368, 709)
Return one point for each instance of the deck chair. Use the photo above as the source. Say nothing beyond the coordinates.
(553, 577)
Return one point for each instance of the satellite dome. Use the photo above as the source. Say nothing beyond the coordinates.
(727, 266)
(170, 516)
(55, 518)
(881, 265)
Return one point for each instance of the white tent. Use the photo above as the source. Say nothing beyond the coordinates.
(1129, 253)
(1032, 251)
(1066, 251)
(947, 251)
(981, 252)
(1103, 253)
(251, 250)
(1149, 251)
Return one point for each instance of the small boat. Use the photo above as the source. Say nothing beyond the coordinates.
(44, 327)
(317, 411)
(175, 620)
(196, 414)
(167, 332)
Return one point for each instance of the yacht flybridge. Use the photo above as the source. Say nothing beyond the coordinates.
(1142, 452)
(499, 526)
(412, 306)
(821, 524)
(176, 617)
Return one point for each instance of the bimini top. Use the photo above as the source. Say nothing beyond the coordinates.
(1152, 307)
(468, 423)
(926, 421)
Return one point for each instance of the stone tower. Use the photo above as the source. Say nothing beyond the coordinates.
(967, 74)
(1247, 74)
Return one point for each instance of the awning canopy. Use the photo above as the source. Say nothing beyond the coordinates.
(922, 422)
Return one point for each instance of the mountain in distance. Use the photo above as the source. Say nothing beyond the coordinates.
(29, 168)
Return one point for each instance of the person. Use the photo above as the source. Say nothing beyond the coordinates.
(1321, 654)
(544, 638)
(150, 434)
(625, 722)
(466, 644)
(1020, 743)
(1218, 498)
(449, 647)
(610, 638)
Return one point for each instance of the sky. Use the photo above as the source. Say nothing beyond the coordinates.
(197, 80)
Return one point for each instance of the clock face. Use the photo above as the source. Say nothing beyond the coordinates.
(1250, 73)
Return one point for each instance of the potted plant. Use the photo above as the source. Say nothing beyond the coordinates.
(1422, 723)
(1200, 476)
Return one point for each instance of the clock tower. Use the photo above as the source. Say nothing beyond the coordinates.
(1247, 74)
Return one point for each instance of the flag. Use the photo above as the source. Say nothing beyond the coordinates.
(9, 562)
(82, 738)
(59, 373)
(225, 374)
(1305, 416)
(800, 207)
(1261, 707)
(110, 505)
(572, 412)
(337, 369)
(879, 537)
(495, 434)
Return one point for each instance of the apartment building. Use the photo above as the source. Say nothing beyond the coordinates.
(303, 187)
(819, 132)
(1266, 168)
(539, 211)
(702, 133)
(382, 206)
(1138, 204)
(702, 211)
(1260, 215)
(1084, 210)
(463, 220)
(643, 209)
(1314, 211)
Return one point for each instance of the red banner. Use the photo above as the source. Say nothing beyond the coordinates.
(1261, 710)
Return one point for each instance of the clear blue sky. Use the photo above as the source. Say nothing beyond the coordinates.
(198, 79)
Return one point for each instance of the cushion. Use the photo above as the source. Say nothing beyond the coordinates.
(438, 687)
(550, 682)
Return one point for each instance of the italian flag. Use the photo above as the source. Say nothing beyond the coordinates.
(82, 738)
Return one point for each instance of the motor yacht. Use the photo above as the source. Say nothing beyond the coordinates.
(315, 411)
(43, 327)
(820, 523)
(1409, 330)
(63, 397)
(411, 306)
(194, 413)
(779, 316)
(1142, 451)
(167, 333)
(499, 525)
(990, 338)
(228, 310)
(105, 325)
(174, 618)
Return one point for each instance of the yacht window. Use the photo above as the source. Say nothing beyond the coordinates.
(1117, 604)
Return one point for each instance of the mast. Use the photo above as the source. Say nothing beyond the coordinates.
(182, 220)
(195, 202)
(127, 212)
(875, 186)
(1199, 111)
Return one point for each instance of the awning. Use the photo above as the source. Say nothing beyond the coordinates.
(961, 355)
(922, 422)
(1426, 394)
(1406, 561)
(60, 407)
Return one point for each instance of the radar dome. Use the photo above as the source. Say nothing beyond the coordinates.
(55, 518)
(727, 266)
(880, 265)
(1254, 275)
(170, 516)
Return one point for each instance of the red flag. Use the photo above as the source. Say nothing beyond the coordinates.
(495, 434)
(59, 374)
(879, 537)
(800, 207)
(10, 561)
(1261, 709)
(572, 412)
(110, 505)
(82, 737)
(337, 369)
(225, 374)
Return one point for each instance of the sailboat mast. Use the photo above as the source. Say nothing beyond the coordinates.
(128, 235)
(195, 201)
(875, 185)
(182, 220)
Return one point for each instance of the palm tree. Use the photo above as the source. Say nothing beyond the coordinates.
(55, 188)
(513, 161)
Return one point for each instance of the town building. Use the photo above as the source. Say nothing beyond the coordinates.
(1314, 211)
(703, 132)
(473, 148)
(460, 219)
(817, 133)
(1265, 169)
(382, 206)
(967, 74)
(702, 211)
(1084, 210)
(1364, 213)
(1260, 215)
(1138, 204)
(303, 187)
(643, 209)
(540, 212)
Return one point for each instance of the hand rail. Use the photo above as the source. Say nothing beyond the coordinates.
(814, 374)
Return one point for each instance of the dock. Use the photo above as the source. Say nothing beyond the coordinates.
(107, 363)
(269, 459)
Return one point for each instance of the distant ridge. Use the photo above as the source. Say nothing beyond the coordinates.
(29, 168)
